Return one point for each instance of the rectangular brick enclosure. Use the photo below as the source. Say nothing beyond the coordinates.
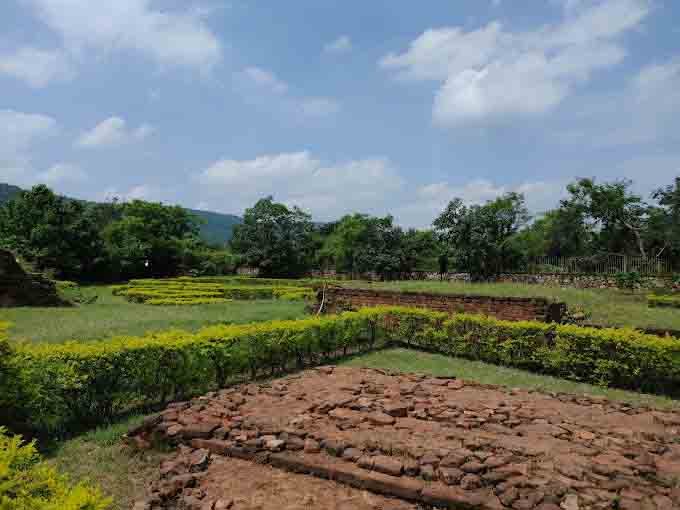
(507, 308)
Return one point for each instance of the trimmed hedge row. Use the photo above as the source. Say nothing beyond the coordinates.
(190, 291)
(186, 301)
(664, 301)
(27, 483)
(58, 385)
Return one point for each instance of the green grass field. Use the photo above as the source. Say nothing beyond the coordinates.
(102, 457)
(112, 316)
(608, 307)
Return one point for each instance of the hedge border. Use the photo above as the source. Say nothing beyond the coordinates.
(57, 386)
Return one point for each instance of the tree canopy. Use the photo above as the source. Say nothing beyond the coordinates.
(479, 237)
(275, 239)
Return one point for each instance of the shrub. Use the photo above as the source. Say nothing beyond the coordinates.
(631, 280)
(190, 291)
(670, 301)
(623, 358)
(184, 301)
(27, 483)
(61, 385)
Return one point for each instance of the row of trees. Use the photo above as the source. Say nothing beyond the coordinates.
(113, 241)
(483, 239)
(105, 242)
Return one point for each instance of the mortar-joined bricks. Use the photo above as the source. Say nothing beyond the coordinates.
(507, 308)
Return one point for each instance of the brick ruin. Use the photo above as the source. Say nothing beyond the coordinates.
(329, 437)
(18, 288)
(508, 308)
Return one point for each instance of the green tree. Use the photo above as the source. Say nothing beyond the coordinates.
(360, 243)
(52, 233)
(562, 232)
(480, 236)
(664, 220)
(274, 239)
(618, 216)
(150, 239)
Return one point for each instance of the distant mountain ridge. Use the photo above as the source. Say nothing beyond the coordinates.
(216, 228)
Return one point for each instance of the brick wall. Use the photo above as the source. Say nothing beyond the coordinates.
(516, 309)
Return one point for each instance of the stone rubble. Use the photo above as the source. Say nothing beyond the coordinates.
(423, 441)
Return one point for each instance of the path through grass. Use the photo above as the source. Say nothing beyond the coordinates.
(112, 316)
(608, 306)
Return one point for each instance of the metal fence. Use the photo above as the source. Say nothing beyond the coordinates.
(599, 264)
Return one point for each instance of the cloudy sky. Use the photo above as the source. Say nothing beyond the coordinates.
(376, 107)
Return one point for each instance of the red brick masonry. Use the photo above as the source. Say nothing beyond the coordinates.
(507, 308)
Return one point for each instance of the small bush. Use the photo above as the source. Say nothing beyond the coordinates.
(28, 483)
(631, 280)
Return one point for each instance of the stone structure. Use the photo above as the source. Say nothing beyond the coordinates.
(508, 308)
(426, 442)
(571, 280)
(18, 288)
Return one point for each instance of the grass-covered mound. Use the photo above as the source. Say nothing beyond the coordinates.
(201, 291)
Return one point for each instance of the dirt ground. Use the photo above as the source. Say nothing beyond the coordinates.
(346, 438)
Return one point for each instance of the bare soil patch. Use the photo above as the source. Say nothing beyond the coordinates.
(414, 440)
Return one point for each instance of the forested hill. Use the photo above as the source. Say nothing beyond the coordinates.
(216, 228)
(8, 192)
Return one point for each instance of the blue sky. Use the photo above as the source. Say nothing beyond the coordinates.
(377, 107)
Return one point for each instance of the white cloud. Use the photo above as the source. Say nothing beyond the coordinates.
(342, 44)
(651, 97)
(18, 132)
(430, 200)
(61, 173)
(138, 192)
(265, 79)
(326, 189)
(264, 84)
(35, 66)
(167, 37)
(492, 72)
(112, 132)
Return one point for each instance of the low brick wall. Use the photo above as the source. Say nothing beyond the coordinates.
(571, 280)
(508, 308)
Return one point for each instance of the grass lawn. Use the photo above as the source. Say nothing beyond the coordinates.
(608, 306)
(103, 458)
(406, 360)
(112, 315)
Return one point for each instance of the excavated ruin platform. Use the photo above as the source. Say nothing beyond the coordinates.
(418, 441)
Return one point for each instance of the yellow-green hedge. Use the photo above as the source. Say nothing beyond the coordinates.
(664, 301)
(186, 290)
(84, 383)
(186, 301)
(28, 483)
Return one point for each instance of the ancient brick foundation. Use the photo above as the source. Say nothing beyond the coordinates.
(422, 442)
(17, 288)
(570, 280)
(507, 308)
